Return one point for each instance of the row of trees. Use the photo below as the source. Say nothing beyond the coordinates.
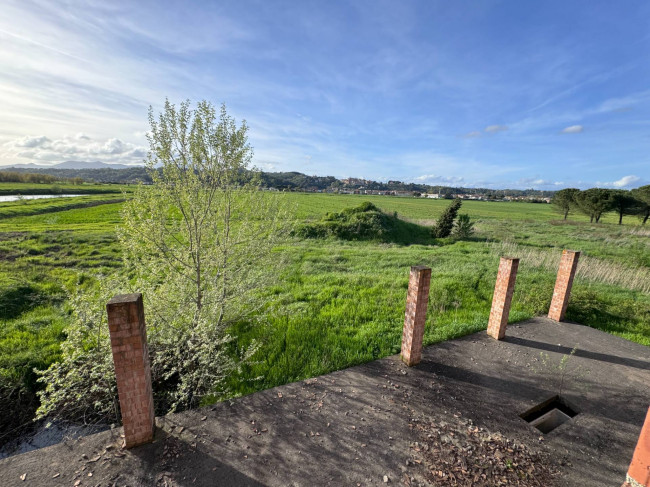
(35, 178)
(595, 202)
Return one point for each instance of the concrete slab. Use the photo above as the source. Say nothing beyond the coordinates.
(360, 426)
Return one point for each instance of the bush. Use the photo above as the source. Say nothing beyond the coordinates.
(464, 228)
(445, 223)
(198, 243)
(363, 222)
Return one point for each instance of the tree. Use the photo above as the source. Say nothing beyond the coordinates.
(623, 203)
(445, 223)
(564, 200)
(594, 202)
(642, 196)
(197, 243)
(464, 227)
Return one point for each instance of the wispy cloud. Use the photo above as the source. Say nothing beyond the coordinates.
(626, 181)
(573, 129)
(434, 179)
(493, 129)
(346, 90)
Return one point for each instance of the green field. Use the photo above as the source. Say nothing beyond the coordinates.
(59, 188)
(337, 303)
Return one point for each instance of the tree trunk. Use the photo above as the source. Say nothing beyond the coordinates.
(566, 213)
(645, 218)
(620, 218)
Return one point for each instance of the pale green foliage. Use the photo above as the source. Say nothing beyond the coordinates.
(198, 245)
(82, 385)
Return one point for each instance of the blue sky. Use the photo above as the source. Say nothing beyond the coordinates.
(494, 93)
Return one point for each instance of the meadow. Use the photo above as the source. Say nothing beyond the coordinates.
(59, 188)
(335, 303)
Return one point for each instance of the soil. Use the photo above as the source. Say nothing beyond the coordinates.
(452, 420)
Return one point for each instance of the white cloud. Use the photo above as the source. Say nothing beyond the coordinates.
(490, 129)
(435, 179)
(79, 147)
(493, 129)
(625, 181)
(573, 129)
(533, 182)
(32, 141)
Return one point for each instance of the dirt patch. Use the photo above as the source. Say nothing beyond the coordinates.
(462, 454)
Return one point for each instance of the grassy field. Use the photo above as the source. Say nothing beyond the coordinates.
(337, 303)
(59, 188)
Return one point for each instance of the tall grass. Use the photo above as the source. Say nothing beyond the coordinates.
(636, 278)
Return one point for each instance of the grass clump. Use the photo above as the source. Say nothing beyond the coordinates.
(364, 222)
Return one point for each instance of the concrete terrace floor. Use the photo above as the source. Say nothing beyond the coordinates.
(355, 426)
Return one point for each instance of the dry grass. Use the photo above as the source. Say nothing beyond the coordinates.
(589, 268)
(640, 231)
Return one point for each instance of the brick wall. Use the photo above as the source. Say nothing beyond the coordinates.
(132, 368)
(417, 300)
(503, 291)
(563, 283)
(639, 472)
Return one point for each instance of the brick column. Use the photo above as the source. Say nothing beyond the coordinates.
(563, 283)
(132, 368)
(416, 313)
(503, 291)
(638, 475)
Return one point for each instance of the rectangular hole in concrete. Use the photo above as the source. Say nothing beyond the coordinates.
(549, 414)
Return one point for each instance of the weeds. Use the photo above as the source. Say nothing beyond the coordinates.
(589, 268)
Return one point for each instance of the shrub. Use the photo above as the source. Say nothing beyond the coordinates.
(445, 223)
(464, 228)
(198, 243)
(364, 222)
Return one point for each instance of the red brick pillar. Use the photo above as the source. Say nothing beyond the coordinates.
(563, 283)
(132, 368)
(639, 472)
(416, 313)
(503, 291)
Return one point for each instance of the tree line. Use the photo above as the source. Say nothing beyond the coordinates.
(284, 181)
(595, 202)
(35, 178)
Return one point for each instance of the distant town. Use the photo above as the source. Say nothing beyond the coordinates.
(295, 181)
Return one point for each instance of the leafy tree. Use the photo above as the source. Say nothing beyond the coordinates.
(642, 196)
(623, 203)
(594, 202)
(197, 243)
(464, 227)
(564, 200)
(445, 223)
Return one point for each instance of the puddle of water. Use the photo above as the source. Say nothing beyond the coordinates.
(15, 197)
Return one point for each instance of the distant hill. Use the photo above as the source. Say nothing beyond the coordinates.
(100, 172)
(125, 175)
(70, 165)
